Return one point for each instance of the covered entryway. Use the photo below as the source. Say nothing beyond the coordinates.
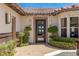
(40, 30)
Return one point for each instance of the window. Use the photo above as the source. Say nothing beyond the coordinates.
(74, 33)
(74, 26)
(63, 27)
(73, 21)
(7, 18)
(64, 32)
(63, 22)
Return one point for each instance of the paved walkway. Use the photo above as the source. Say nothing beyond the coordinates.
(34, 50)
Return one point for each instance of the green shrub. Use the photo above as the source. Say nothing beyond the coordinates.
(27, 28)
(11, 44)
(24, 36)
(63, 45)
(23, 39)
(27, 33)
(63, 42)
(53, 30)
(20, 36)
(63, 39)
(7, 49)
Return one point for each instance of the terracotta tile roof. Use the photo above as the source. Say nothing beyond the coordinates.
(68, 8)
(52, 11)
(16, 8)
(39, 10)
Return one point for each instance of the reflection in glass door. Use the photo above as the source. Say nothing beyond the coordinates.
(40, 30)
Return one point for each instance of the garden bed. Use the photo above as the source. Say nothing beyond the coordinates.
(62, 42)
(7, 49)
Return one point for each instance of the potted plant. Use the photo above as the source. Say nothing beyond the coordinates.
(53, 30)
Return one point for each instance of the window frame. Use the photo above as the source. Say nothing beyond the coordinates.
(7, 18)
(75, 27)
(64, 27)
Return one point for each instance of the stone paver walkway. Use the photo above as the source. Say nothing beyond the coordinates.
(34, 50)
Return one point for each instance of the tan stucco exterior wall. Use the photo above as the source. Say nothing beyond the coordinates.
(26, 21)
(6, 28)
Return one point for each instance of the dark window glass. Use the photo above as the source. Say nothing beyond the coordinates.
(6, 18)
(74, 32)
(73, 21)
(64, 22)
(40, 27)
(63, 32)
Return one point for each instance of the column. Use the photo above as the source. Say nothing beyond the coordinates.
(59, 26)
(13, 28)
(68, 26)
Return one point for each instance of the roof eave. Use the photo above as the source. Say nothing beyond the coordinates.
(16, 8)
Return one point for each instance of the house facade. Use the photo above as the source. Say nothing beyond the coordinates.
(14, 19)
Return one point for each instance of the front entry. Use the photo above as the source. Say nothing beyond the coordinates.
(40, 30)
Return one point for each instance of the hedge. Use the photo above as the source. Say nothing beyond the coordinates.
(65, 43)
(63, 39)
(7, 49)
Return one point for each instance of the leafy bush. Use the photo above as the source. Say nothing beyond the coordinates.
(63, 42)
(24, 36)
(27, 34)
(53, 30)
(63, 45)
(63, 39)
(21, 38)
(7, 49)
(27, 28)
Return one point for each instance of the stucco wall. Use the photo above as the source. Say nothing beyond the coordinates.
(26, 21)
(5, 28)
(29, 20)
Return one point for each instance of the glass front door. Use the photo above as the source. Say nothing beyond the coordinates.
(40, 30)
